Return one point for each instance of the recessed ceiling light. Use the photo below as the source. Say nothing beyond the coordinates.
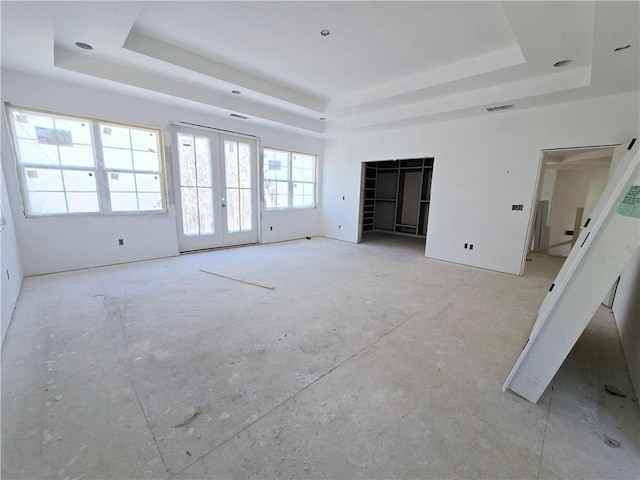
(500, 107)
(84, 46)
(562, 63)
(325, 33)
(622, 48)
(236, 92)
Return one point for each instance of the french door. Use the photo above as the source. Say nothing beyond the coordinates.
(216, 185)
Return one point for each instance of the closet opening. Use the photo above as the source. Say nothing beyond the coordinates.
(395, 199)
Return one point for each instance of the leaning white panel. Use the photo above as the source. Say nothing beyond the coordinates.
(604, 246)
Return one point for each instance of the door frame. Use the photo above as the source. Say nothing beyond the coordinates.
(175, 172)
(538, 191)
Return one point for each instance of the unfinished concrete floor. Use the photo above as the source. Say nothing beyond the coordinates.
(366, 361)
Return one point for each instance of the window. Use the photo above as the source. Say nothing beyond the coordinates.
(78, 165)
(289, 179)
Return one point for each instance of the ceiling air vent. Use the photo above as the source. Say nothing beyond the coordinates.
(500, 107)
(235, 115)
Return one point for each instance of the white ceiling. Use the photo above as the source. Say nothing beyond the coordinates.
(384, 64)
(579, 158)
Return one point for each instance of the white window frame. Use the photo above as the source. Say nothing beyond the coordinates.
(99, 170)
(290, 180)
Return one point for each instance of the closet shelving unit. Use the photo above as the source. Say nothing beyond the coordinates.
(397, 195)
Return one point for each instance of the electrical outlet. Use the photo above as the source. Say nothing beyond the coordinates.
(121, 241)
(466, 245)
(339, 227)
(343, 197)
(270, 228)
(471, 246)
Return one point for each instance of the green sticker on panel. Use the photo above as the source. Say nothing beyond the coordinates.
(630, 205)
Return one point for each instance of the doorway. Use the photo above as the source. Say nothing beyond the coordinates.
(570, 182)
(395, 197)
(216, 185)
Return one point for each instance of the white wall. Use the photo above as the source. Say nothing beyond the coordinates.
(626, 311)
(10, 267)
(573, 189)
(483, 165)
(548, 183)
(61, 243)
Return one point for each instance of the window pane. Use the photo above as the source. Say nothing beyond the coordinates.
(148, 182)
(43, 179)
(124, 202)
(117, 158)
(60, 171)
(122, 182)
(190, 222)
(77, 156)
(303, 167)
(303, 194)
(276, 165)
(113, 136)
(150, 201)
(203, 162)
(82, 202)
(231, 163)
(47, 202)
(79, 181)
(25, 124)
(31, 152)
(146, 161)
(233, 210)
(205, 210)
(144, 140)
(80, 130)
(186, 160)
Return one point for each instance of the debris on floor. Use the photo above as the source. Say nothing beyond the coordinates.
(189, 418)
(612, 442)
(610, 389)
(238, 280)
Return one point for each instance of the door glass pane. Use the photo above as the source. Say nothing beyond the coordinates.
(238, 183)
(245, 210)
(203, 162)
(205, 208)
(190, 220)
(196, 180)
(186, 160)
(233, 210)
(231, 163)
(244, 165)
